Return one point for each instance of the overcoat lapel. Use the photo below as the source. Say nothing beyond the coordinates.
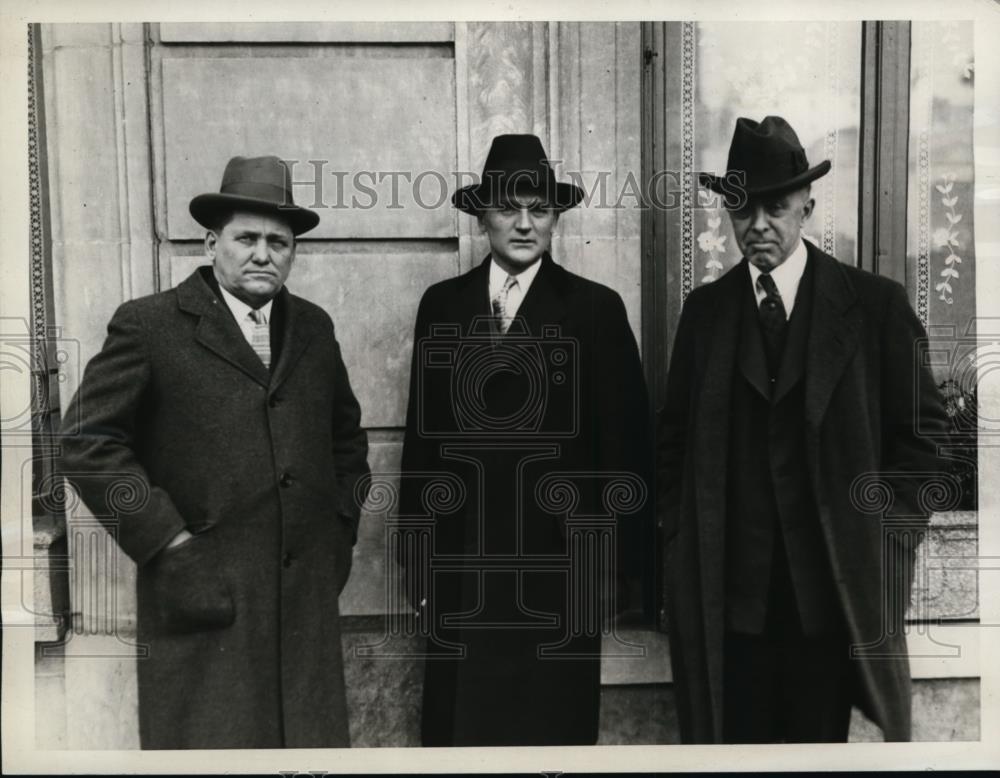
(470, 308)
(833, 332)
(295, 337)
(711, 427)
(545, 302)
(217, 330)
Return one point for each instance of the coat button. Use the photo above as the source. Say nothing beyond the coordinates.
(286, 479)
(274, 400)
(286, 559)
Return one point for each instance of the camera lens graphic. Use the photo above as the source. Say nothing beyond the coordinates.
(479, 369)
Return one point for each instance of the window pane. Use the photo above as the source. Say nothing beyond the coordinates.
(940, 250)
(807, 72)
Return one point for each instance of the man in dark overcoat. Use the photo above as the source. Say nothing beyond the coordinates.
(223, 409)
(528, 405)
(795, 389)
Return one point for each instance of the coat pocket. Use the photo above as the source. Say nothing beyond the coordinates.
(190, 590)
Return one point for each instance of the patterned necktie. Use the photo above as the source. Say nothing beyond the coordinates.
(773, 321)
(500, 305)
(261, 337)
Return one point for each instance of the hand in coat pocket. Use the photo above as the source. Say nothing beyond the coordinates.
(191, 593)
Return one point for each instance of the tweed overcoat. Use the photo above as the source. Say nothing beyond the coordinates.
(182, 426)
(534, 486)
(872, 415)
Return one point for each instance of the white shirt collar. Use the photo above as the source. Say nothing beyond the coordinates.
(786, 277)
(498, 276)
(240, 309)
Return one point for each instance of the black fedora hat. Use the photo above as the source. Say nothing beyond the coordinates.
(262, 184)
(516, 163)
(771, 157)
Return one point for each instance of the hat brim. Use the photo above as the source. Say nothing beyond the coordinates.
(205, 208)
(476, 198)
(719, 184)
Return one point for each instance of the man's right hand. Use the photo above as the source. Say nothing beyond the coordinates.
(181, 537)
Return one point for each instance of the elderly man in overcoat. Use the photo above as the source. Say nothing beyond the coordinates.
(795, 386)
(527, 397)
(222, 407)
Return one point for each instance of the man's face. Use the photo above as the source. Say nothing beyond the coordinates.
(252, 256)
(767, 229)
(520, 231)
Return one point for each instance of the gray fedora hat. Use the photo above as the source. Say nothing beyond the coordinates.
(262, 184)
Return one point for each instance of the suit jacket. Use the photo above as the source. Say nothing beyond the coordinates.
(182, 426)
(863, 392)
(543, 436)
(771, 513)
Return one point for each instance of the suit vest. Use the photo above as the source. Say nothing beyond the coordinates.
(776, 555)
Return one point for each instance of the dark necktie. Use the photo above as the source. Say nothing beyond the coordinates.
(773, 321)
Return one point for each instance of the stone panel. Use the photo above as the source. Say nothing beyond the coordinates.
(597, 74)
(80, 94)
(383, 695)
(50, 702)
(635, 656)
(307, 32)
(943, 710)
(614, 262)
(359, 117)
(946, 580)
(373, 571)
(641, 714)
(101, 693)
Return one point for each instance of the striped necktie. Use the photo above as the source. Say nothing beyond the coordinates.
(261, 337)
(500, 305)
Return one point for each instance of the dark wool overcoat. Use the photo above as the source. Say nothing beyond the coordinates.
(872, 416)
(541, 438)
(181, 420)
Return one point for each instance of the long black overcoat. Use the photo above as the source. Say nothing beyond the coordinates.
(540, 440)
(873, 417)
(182, 426)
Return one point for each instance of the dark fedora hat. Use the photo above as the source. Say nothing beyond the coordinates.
(262, 184)
(516, 163)
(771, 157)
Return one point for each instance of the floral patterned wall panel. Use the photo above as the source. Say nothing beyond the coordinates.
(807, 72)
(940, 248)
